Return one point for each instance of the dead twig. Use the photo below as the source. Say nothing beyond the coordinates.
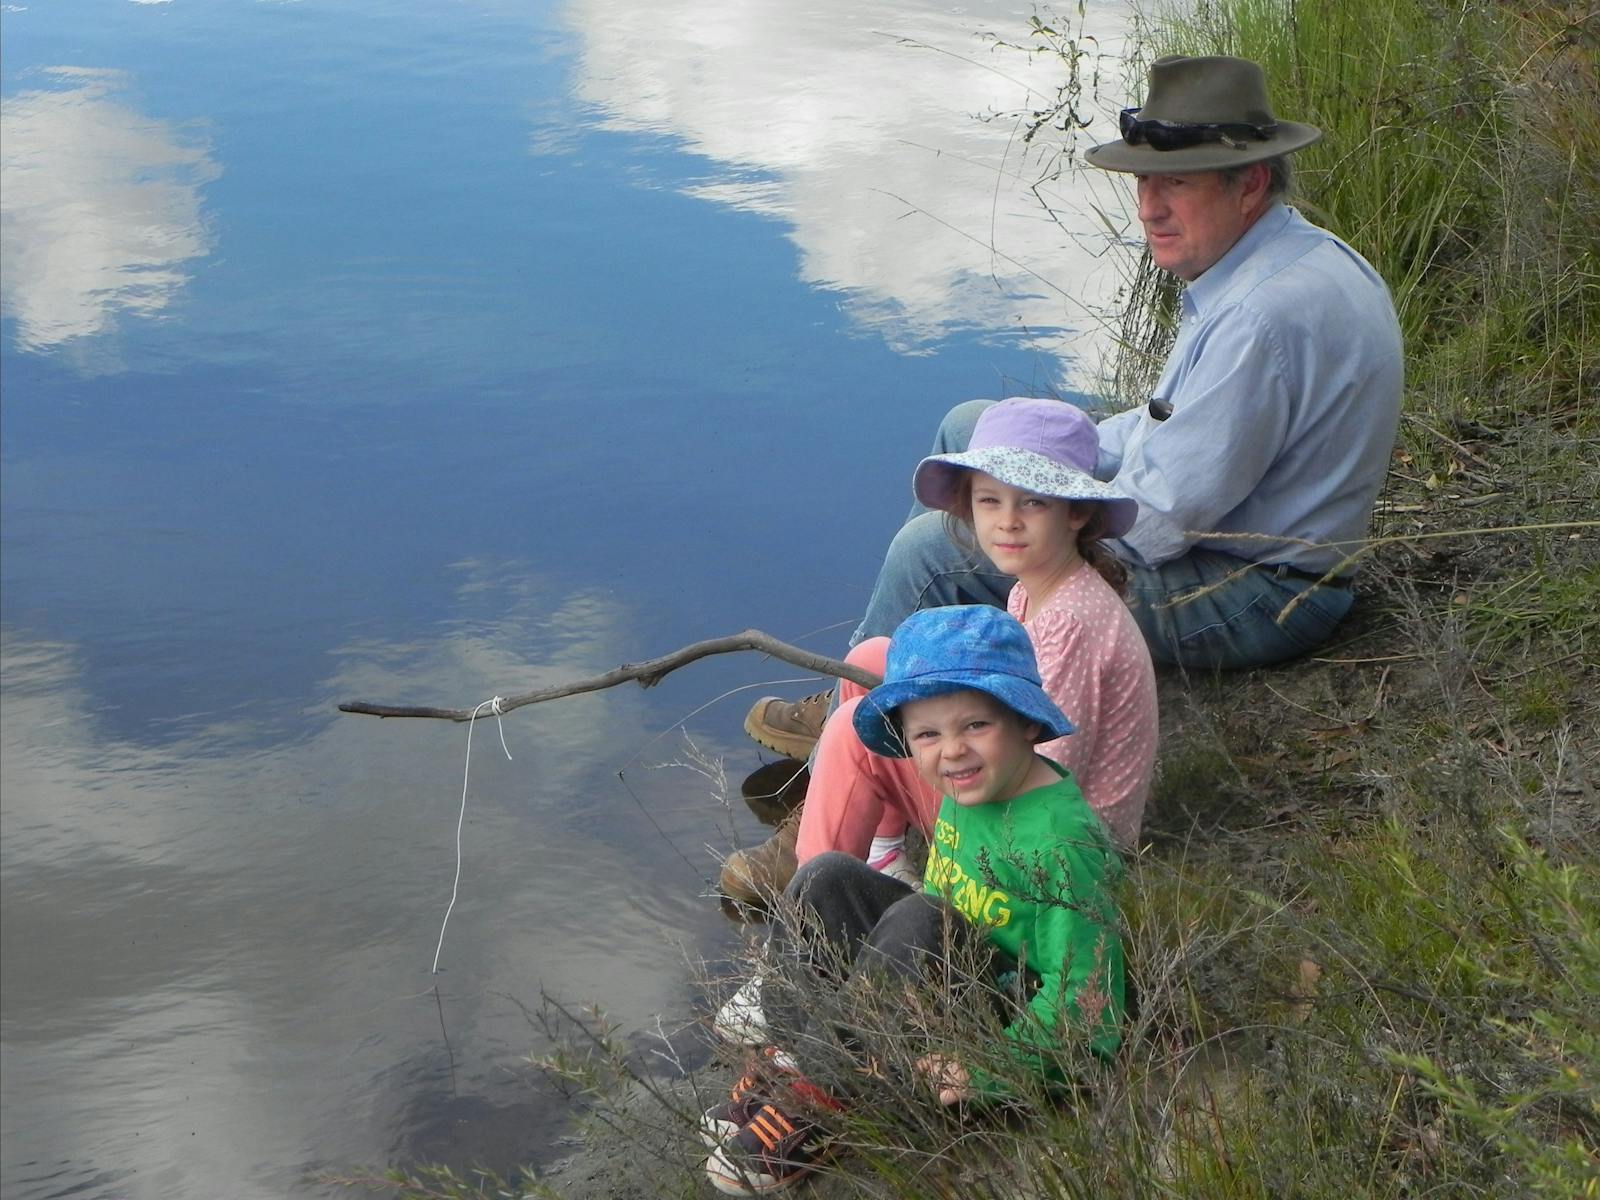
(1451, 442)
(646, 674)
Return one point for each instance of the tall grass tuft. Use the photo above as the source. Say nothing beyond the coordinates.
(1461, 157)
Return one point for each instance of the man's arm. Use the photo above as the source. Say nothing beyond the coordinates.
(1114, 432)
(1231, 402)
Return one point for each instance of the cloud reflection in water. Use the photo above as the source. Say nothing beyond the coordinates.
(101, 211)
(235, 932)
(871, 148)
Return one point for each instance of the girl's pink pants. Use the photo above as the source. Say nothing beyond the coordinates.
(854, 794)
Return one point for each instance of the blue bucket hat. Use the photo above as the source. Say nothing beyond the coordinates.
(966, 647)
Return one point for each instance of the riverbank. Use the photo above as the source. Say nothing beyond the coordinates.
(1366, 926)
(1365, 929)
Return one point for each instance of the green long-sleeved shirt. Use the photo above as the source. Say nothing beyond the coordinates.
(1038, 874)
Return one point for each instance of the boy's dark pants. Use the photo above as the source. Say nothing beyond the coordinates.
(840, 917)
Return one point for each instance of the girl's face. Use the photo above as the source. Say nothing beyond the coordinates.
(1025, 534)
(969, 746)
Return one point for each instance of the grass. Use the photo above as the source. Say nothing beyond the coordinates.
(1367, 925)
(1452, 158)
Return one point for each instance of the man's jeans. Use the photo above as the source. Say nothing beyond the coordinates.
(1190, 611)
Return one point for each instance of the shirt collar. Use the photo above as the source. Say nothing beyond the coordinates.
(1214, 281)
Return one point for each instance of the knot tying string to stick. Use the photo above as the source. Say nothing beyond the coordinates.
(493, 705)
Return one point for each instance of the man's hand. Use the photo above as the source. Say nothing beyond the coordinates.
(947, 1076)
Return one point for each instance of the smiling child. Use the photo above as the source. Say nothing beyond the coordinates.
(1020, 872)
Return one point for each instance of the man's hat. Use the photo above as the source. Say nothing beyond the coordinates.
(1201, 114)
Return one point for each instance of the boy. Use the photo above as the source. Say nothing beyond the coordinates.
(1020, 874)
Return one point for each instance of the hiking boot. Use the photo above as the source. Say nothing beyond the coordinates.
(790, 727)
(772, 1149)
(775, 789)
(757, 875)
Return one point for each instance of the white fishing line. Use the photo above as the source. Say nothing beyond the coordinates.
(493, 704)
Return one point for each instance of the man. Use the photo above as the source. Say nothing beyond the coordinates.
(1258, 460)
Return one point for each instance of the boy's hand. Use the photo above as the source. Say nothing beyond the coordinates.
(948, 1077)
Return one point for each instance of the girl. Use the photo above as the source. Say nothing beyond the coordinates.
(1023, 494)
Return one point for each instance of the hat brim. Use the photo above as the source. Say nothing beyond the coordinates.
(879, 731)
(938, 479)
(1207, 156)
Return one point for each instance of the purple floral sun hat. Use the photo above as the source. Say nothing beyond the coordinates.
(1047, 447)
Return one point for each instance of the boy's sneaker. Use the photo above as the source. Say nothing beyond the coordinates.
(722, 1121)
(742, 1021)
(790, 727)
(764, 1073)
(771, 1150)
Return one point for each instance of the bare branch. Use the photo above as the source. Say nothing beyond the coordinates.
(647, 674)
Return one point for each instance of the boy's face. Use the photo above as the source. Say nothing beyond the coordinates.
(969, 746)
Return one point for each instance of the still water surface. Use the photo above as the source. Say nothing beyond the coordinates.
(422, 353)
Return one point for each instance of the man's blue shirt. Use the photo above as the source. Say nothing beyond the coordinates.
(1285, 384)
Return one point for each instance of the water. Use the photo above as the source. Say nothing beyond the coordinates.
(419, 354)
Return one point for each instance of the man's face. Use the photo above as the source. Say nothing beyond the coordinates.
(1190, 221)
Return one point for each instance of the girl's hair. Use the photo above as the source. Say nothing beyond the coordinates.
(958, 528)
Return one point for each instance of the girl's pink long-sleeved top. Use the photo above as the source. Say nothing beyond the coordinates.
(1093, 664)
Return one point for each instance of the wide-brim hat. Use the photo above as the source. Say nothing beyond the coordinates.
(1209, 90)
(1044, 446)
(965, 647)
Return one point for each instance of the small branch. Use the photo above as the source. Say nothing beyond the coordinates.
(1451, 442)
(647, 674)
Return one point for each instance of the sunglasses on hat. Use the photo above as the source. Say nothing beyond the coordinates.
(1176, 135)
